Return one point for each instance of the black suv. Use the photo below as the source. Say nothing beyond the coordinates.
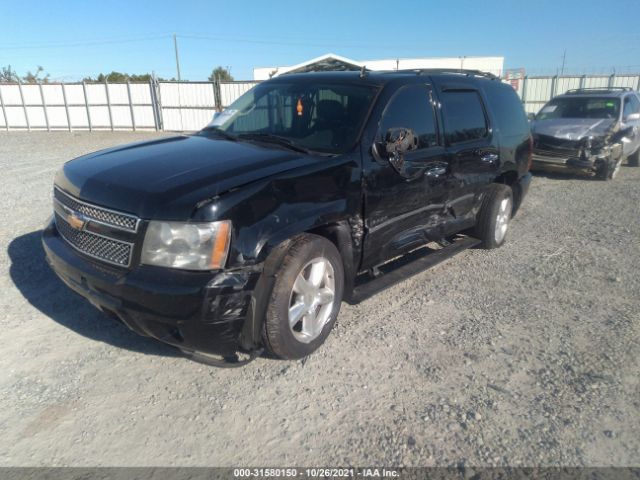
(249, 234)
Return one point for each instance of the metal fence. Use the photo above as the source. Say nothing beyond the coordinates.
(189, 106)
(536, 91)
(173, 106)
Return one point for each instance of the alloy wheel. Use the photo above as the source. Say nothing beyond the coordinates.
(312, 300)
(502, 220)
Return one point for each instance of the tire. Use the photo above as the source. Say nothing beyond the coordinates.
(308, 301)
(608, 170)
(494, 215)
(634, 159)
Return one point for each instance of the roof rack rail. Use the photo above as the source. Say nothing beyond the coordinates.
(600, 89)
(460, 71)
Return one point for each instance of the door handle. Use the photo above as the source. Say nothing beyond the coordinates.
(489, 157)
(436, 172)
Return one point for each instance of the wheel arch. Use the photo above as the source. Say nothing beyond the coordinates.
(271, 254)
(510, 178)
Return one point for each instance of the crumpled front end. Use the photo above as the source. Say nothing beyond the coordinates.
(587, 154)
(194, 311)
(575, 144)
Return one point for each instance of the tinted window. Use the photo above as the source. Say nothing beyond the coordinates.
(319, 117)
(507, 109)
(411, 108)
(464, 118)
(580, 107)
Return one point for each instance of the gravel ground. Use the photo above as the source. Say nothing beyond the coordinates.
(526, 355)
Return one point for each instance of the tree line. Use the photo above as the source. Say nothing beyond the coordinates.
(7, 74)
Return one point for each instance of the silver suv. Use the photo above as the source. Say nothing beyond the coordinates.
(589, 129)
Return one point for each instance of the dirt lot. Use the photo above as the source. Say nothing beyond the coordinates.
(526, 355)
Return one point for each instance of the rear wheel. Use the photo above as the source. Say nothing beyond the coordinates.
(305, 299)
(634, 158)
(494, 216)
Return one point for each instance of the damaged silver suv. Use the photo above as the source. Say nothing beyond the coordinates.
(590, 130)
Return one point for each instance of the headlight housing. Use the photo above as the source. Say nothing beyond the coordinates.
(185, 245)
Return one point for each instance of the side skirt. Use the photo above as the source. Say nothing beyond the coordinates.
(405, 267)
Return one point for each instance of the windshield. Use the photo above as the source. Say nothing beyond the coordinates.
(580, 107)
(320, 117)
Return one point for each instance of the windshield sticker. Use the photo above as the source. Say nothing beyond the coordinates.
(222, 117)
(549, 108)
(299, 107)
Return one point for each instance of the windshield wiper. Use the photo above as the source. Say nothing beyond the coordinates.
(270, 138)
(220, 133)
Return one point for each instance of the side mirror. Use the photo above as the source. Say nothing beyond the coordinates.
(396, 142)
(531, 116)
(632, 117)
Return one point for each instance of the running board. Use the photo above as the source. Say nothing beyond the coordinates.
(406, 267)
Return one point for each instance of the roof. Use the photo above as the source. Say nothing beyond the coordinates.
(375, 77)
(613, 92)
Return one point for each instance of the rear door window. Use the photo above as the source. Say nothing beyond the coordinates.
(464, 116)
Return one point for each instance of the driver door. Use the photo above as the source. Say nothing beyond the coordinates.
(405, 204)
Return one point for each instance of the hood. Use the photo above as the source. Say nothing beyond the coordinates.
(166, 178)
(572, 128)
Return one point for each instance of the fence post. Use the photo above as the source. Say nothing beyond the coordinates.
(155, 103)
(217, 95)
(4, 111)
(133, 118)
(106, 91)
(24, 106)
(583, 79)
(611, 80)
(554, 84)
(44, 107)
(66, 106)
(86, 104)
(524, 91)
(638, 83)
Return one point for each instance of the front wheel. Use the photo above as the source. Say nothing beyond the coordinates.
(305, 299)
(608, 170)
(494, 216)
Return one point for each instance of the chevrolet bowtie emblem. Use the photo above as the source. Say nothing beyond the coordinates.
(76, 220)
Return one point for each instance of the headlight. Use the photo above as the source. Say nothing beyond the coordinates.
(190, 246)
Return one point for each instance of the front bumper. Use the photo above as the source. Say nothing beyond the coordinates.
(195, 311)
(590, 163)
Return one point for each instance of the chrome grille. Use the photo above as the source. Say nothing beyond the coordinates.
(99, 214)
(548, 146)
(96, 246)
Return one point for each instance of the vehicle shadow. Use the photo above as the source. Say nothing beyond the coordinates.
(41, 287)
(564, 175)
(560, 174)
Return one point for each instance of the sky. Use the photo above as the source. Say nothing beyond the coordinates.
(73, 39)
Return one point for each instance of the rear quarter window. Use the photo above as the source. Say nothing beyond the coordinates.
(507, 109)
(463, 115)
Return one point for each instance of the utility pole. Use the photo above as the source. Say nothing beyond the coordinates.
(175, 46)
(564, 56)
